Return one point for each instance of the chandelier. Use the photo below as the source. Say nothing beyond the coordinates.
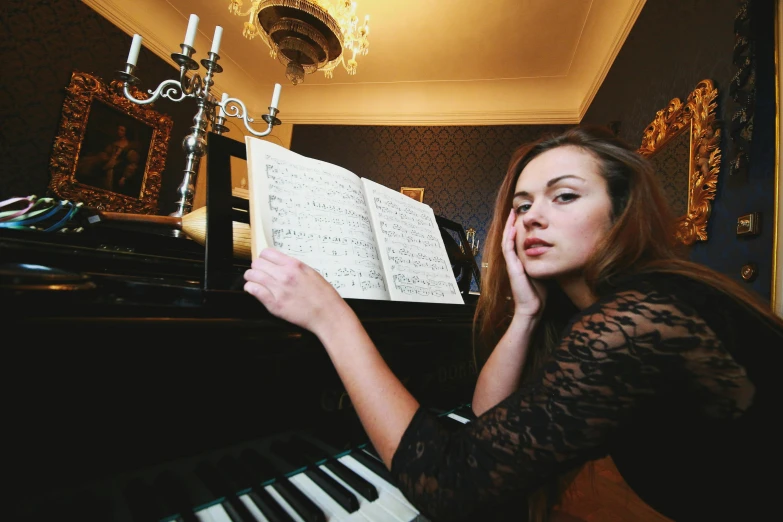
(307, 35)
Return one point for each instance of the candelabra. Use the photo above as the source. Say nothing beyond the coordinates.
(470, 235)
(209, 111)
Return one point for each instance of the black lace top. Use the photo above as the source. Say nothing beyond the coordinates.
(669, 376)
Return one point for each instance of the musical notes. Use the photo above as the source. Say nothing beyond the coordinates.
(366, 240)
(412, 250)
(317, 212)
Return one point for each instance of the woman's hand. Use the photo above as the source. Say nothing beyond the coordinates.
(293, 291)
(529, 294)
(502, 372)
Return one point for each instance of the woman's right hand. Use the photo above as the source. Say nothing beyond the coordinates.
(529, 294)
(293, 291)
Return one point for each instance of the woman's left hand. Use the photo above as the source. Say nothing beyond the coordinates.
(293, 291)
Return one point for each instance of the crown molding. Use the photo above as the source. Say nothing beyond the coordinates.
(113, 12)
(519, 117)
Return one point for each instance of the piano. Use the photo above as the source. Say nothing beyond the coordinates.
(143, 384)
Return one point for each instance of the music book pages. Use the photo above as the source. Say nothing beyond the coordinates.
(366, 240)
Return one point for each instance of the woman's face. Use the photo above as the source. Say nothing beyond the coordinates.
(563, 209)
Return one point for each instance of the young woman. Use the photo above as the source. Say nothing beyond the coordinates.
(605, 342)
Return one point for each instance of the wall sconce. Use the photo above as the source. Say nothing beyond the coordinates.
(470, 235)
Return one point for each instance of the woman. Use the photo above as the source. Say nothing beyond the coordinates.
(605, 343)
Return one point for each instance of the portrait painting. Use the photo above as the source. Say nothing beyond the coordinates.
(109, 153)
(413, 193)
(114, 151)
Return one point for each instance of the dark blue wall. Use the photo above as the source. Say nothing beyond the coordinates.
(673, 46)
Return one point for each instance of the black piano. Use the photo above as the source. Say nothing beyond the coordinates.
(143, 384)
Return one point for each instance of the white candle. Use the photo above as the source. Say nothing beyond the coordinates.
(223, 104)
(216, 39)
(275, 96)
(190, 35)
(133, 55)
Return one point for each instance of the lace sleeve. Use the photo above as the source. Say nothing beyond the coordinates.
(613, 357)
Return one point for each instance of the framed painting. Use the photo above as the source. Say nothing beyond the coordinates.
(109, 153)
(414, 193)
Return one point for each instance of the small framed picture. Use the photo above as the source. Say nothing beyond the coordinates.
(413, 193)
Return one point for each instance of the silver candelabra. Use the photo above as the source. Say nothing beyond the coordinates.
(210, 111)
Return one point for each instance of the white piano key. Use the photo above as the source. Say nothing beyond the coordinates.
(250, 505)
(333, 510)
(458, 418)
(219, 514)
(373, 510)
(285, 505)
(205, 515)
(384, 487)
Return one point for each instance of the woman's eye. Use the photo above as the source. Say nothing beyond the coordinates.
(522, 208)
(566, 197)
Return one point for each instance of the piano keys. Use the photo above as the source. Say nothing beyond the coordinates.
(127, 363)
(290, 477)
(140, 357)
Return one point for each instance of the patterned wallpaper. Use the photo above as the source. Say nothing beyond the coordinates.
(41, 43)
(460, 168)
(671, 168)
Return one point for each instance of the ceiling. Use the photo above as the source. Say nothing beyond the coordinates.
(430, 62)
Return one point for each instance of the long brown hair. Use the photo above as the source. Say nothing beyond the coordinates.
(641, 239)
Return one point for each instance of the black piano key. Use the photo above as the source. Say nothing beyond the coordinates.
(220, 487)
(346, 474)
(143, 502)
(331, 487)
(358, 483)
(373, 464)
(240, 477)
(262, 471)
(174, 494)
(269, 506)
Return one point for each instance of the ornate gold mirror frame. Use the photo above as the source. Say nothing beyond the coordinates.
(697, 116)
(109, 153)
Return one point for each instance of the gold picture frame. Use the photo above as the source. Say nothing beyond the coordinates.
(109, 153)
(697, 117)
(413, 193)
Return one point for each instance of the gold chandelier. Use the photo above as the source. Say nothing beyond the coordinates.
(307, 35)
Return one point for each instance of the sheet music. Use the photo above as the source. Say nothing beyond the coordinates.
(315, 212)
(417, 264)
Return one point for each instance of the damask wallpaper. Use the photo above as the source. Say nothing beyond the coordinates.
(671, 168)
(460, 168)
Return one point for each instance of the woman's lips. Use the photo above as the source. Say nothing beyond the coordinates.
(535, 247)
